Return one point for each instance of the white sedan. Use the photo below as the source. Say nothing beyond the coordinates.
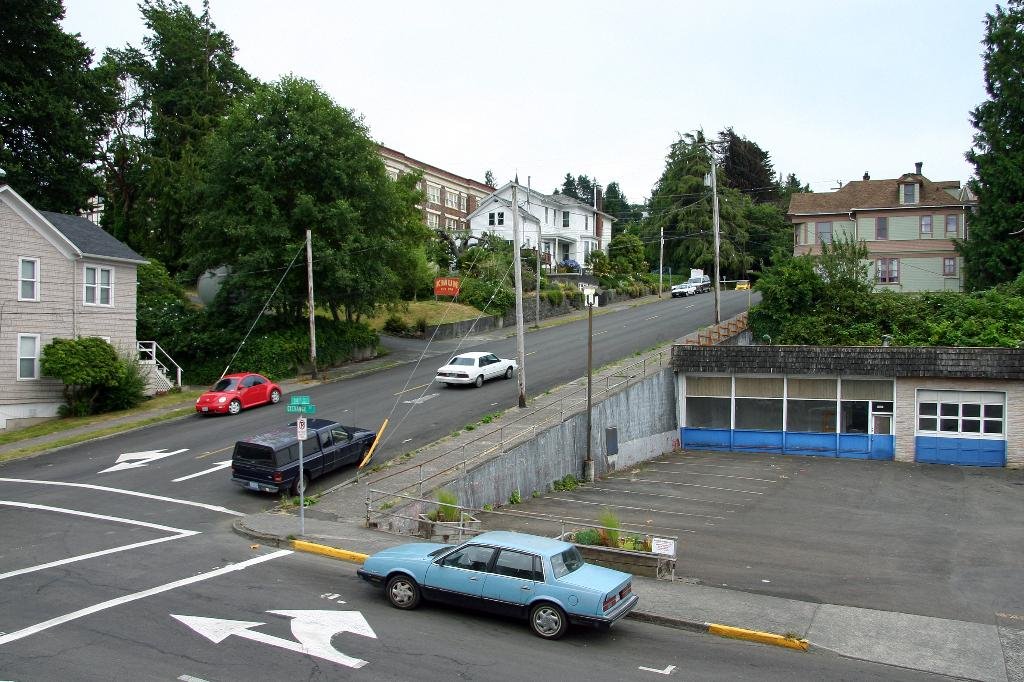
(475, 368)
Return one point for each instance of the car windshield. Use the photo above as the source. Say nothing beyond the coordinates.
(565, 563)
(226, 384)
(463, 361)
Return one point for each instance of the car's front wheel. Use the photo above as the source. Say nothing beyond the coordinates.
(548, 621)
(479, 380)
(275, 397)
(508, 373)
(403, 592)
(235, 406)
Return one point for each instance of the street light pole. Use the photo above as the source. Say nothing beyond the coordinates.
(588, 465)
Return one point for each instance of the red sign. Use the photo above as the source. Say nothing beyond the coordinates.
(446, 286)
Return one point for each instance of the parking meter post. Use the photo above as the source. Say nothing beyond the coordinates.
(302, 494)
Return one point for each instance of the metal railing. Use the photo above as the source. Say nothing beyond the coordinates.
(710, 336)
(149, 354)
(556, 412)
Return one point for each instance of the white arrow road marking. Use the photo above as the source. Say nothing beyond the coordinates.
(102, 606)
(106, 489)
(218, 467)
(133, 460)
(422, 399)
(666, 671)
(313, 629)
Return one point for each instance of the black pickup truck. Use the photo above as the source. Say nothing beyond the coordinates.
(269, 462)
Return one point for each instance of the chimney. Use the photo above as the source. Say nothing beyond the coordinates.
(917, 167)
(866, 176)
(598, 199)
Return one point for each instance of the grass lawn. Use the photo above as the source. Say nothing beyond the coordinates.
(434, 312)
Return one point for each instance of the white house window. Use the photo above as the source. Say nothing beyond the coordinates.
(888, 270)
(586, 223)
(501, 217)
(433, 194)
(824, 231)
(545, 214)
(910, 193)
(451, 199)
(926, 226)
(949, 267)
(99, 285)
(432, 220)
(952, 223)
(28, 279)
(881, 228)
(28, 356)
(961, 413)
(565, 219)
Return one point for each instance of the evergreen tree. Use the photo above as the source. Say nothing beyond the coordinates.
(994, 253)
(489, 178)
(585, 189)
(569, 187)
(175, 91)
(747, 167)
(54, 108)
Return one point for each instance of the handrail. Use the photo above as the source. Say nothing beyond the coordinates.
(149, 349)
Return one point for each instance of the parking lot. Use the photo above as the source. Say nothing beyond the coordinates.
(931, 540)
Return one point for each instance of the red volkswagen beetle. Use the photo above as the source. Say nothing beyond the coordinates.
(234, 392)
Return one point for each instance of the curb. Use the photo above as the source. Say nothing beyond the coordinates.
(726, 631)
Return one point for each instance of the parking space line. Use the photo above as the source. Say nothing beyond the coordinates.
(540, 516)
(690, 485)
(706, 473)
(643, 509)
(414, 388)
(701, 464)
(102, 606)
(218, 467)
(671, 497)
(121, 491)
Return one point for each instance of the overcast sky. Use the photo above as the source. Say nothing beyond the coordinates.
(829, 89)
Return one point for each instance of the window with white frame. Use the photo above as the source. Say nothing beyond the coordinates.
(451, 198)
(888, 270)
(586, 223)
(28, 279)
(949, 266)
(952, 224)
(565, 219)
(501, 217)
(451, 223)
(959, 414)
(708, 402)
(99, 285)
(910, 193)
(434, 194)
(824, 232)
(881, 228)
(545, 214)
(432, 220)
(926, 226)
(28, 356)
(462, 202)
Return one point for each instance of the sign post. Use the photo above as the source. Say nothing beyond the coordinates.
(300, 404)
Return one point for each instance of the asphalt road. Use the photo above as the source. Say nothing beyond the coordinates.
(254, 617)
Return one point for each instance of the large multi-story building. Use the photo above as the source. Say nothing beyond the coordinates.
(449, 198)
(907, 223)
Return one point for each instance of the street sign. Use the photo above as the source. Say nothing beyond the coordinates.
(300, 409)
(300, 428)
(298, 400)
(666, 546)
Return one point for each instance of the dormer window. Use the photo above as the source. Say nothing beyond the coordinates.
(909, 193)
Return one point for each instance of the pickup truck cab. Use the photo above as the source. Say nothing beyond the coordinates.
(269, 462)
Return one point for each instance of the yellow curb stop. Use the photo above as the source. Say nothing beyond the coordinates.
(332, 552)
(758, 636)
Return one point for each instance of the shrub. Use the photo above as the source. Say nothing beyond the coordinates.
(610, 532)
(588, 536)
(493, 298)
(567, 482)
(553, 296)
(515, 497)
(128, 389)
(396, 326)
(447, 507)
(85, 366)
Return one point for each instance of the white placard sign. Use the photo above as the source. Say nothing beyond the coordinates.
(300, 428)
(663, 546)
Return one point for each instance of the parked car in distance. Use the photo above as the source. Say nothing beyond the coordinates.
(543, 580)
(702, 283)
(684, 289)
(269, 462)
(235, 392)
(475, 368)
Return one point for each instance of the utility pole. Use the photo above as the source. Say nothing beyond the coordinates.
(714, 203)
(536, 289)
(312, 308)
(589, 298)
(518, 268)
(661, 259)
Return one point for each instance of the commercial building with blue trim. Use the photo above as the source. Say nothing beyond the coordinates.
(914, 404)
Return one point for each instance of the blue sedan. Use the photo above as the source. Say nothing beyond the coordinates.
(543, 580)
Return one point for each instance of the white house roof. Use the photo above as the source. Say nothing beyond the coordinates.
(487, 205)
(539, 198)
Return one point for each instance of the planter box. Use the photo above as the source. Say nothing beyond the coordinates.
(448, 530)
(646, 564)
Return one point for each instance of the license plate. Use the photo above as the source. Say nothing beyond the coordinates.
(206, 409)
(254, 485)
